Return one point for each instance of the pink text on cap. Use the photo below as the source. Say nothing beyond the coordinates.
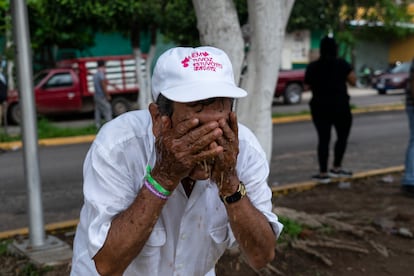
(201, 61)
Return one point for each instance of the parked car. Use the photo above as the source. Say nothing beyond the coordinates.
(290, 85)
(68, 88)
(396, 78)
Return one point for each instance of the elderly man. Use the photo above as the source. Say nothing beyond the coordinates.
(169, 189)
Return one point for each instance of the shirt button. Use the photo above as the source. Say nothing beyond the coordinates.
(183, 237)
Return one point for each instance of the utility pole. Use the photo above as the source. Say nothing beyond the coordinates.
(41, 249)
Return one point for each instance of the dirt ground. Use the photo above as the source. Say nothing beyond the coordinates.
(359, 227)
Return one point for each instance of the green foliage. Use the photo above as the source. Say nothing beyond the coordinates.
(299, 113)
(179, 22)
(46, 129)
(335, 16)
(327, 230)
(73, 23)
(291, 229)
(3, 246)
(382, 20)
(30, 269)
(8, 138)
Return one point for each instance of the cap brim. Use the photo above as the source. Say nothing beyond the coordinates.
(197, 91)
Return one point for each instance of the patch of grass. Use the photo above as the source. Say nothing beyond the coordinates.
(281, 115)
(327, 230)
(303, 112)
(291, 229)
(46, 129)
(3, 246)
(8, 138)
(30, 269)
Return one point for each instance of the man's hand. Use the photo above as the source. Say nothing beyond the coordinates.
(180, 148)
(224, 168)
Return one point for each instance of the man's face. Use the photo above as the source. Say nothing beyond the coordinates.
(208, 110)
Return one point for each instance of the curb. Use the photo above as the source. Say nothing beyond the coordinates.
(276, 191)
(48, 227)
(307, 185)
(50, 142)
(372, 108)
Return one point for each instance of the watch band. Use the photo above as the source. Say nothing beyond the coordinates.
(239, 194)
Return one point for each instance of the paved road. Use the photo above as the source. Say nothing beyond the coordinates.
(378, 140)
(61, 177)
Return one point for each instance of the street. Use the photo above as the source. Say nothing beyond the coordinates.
(61, 178)
(377, 140)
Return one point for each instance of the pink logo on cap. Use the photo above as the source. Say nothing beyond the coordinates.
(185, 62)
(201, 61)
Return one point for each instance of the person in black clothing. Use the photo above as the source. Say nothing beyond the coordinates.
(327, 78)
(407, 180)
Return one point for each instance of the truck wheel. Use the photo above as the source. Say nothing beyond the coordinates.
(14, 114)
(120, 105)
(293, 94)
(382, 91)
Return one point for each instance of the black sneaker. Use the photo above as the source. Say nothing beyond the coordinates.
(408, 190)
(321, 178)
(339, 173)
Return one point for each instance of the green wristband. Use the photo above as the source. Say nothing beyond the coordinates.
(155, 184)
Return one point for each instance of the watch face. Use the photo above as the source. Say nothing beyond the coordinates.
(241, 192)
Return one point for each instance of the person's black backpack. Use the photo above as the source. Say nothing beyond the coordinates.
(3, 92)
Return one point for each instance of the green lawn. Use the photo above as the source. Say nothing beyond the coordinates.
(46, 129)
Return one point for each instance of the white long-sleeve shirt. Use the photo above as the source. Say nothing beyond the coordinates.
(191, 233)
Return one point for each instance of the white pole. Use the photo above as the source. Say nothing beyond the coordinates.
(29, 128)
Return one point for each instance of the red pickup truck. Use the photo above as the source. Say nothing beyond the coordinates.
(69, 87)
(290, 85)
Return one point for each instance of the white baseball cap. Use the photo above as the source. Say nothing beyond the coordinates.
(185, 74)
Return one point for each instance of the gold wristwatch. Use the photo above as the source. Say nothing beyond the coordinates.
(239, 194)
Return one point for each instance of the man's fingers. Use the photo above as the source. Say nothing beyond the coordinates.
(213, 145)
(185, 126)
(192, 143)
(208, 154)
(233, 123)
(204, 142)
(192, 130)
(230, 128)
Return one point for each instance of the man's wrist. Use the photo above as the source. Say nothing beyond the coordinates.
(164, 180)
(238, 195)
(229, 185)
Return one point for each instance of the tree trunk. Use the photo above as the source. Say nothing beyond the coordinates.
(218, 25)
(143, 69)
(267, 19)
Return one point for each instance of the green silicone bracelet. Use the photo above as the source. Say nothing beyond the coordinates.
(155, 184)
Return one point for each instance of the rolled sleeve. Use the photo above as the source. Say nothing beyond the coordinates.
(253, 171)
(107, 191)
